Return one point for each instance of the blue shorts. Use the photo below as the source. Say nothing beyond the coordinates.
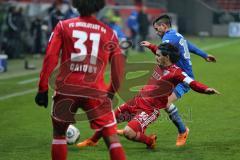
(181, 89)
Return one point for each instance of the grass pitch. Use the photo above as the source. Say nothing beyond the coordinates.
(25, 129)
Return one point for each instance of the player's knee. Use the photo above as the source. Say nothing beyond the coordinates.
(129, 132)
(111, 139)
(109, 131)
(168, 105)
(59, 132)
(171, 99)
(109, 135)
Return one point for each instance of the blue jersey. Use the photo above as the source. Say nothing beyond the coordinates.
(132, 21)
(184, 47)
(118, 31)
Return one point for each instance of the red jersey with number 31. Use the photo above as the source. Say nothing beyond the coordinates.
(85, 46)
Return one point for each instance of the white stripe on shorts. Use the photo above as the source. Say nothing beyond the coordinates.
(108, 125)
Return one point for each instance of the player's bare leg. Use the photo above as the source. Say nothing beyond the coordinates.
(120, 132)
(176, 119)
(132, 133)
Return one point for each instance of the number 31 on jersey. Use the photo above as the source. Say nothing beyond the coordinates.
(82, 37)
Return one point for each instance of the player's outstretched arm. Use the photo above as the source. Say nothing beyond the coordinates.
(199, 87)
(193, 49)
(150, 46)
(202, 88)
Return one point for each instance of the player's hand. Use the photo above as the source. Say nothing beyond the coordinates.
(210, 58)
(145, 43)
(211, 91)
(41, 99)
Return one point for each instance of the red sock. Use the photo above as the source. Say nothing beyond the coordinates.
(59, 148)
(117, 152)
(141, 137)
(97, 135)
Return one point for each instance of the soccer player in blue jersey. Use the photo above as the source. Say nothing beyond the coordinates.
(162, 25)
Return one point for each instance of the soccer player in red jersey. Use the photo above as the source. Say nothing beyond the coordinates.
(84, 46)
(144, 108)
(162, 26)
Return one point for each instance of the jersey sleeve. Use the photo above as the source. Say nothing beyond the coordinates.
(153, 48)
(181, 76)
(51, 57)
(117, 60)
(193, 49)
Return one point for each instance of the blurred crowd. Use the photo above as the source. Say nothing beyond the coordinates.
(24, 33)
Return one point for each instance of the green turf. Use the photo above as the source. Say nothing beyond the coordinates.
(25, 129)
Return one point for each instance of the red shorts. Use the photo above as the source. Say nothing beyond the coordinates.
(97, 111)
(145, 115)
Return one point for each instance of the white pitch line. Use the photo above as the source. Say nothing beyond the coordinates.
(28, 81)
(219, 45)
(16, 94)
(18, 75)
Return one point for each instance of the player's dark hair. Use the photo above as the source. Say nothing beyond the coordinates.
(88, 7)
(169, 50)
(166, 19)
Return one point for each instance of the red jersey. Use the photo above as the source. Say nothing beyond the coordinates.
(85, 46)
(161, 84)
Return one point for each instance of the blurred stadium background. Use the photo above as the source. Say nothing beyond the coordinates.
(213, 25)
(25, 25)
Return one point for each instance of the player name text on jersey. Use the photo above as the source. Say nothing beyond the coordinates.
(76, 67)
(88, 25)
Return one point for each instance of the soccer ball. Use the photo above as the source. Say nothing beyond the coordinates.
(72, 134)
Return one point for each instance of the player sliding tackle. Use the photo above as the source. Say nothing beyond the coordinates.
(152, 97)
